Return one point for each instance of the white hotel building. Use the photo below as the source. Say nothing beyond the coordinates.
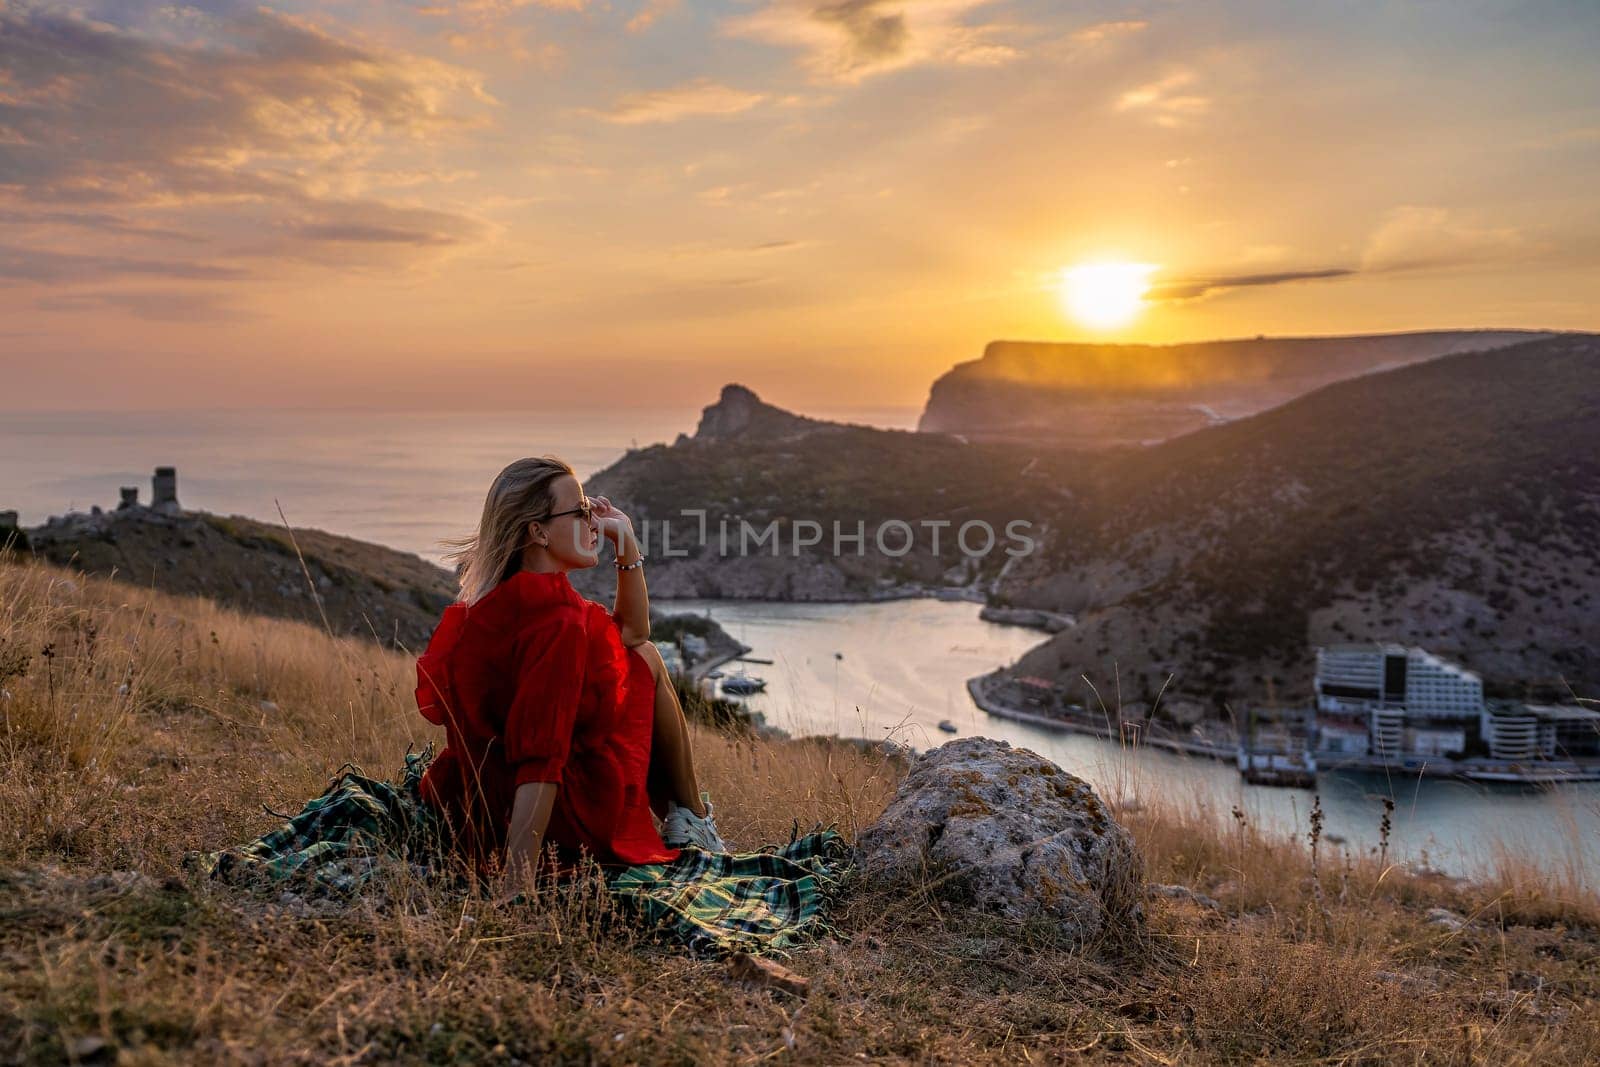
(1389, 701)
(1395, 702)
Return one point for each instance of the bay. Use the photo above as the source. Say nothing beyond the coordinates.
(893, 670)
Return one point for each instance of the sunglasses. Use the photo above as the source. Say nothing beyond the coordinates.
(586, 509)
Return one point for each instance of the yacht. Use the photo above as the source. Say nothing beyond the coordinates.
(741, 684)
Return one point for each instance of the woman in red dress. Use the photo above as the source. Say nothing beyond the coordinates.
(562, 725)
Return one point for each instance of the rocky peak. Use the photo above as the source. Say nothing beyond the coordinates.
(740, 413)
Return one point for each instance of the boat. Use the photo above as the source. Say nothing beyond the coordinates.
(742, 684)
(947, 726)
(1285, 767)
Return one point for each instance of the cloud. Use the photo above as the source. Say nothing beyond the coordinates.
(492, 26)
(648, 14)
(711, 251)
(1410, 238)
(93, 220)
(849, 40)
(23, 264)
(186, 305)
(702, 96)
(1194, 288)
(481, 11)
(244, 121)
(345, 231)
(95, 112)
(1420, 237)
(1165, 102)
(1101, 32)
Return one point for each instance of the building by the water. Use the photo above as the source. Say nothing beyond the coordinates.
(1384, 700)
(1379, 707)
(1386, 703)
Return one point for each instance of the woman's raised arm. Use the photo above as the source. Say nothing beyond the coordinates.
(632, 608)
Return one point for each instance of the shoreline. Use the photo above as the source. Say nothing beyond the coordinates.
(1480, 771)
(956, 593)
(1144, 739)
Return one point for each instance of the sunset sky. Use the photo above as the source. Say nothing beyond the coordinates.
(570, 203)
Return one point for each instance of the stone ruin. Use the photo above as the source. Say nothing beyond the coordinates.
(164, 491)
(164, 501)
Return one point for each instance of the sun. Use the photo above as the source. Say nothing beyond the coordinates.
(1104, 296)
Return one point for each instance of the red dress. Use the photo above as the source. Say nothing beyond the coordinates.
(533, 684)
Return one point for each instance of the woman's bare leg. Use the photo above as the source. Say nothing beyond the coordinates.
(672, 774)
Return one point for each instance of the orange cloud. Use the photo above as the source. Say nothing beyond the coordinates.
(1419, 237)
(1164, 100)
(849, 40)
(702, 96)
(649, 14)
(111, 143)
(1105, 31)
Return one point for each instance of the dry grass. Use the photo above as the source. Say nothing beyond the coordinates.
(110, 953)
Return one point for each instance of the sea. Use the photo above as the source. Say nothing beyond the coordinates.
(883, 671)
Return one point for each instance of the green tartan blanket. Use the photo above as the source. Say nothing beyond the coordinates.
(707, 902)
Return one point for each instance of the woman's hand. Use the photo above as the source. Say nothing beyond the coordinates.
(530, 815)
(516, 882)
(617, 527)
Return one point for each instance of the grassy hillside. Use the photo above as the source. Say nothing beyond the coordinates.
(136, 725)
(363, 588)
(1454, 503)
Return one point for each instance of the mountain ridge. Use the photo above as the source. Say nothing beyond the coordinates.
(1091, 395)
(1398, 505)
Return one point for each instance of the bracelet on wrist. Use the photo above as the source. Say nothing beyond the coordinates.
(630, 566)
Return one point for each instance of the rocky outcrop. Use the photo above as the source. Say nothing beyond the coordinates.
(740, 413)
(1003, 830)
(1035, 618)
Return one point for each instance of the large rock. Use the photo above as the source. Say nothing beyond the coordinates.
(1004, 830)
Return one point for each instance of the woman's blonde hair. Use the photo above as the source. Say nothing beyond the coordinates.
(519, 495)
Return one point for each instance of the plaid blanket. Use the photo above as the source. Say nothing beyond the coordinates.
(706, 902)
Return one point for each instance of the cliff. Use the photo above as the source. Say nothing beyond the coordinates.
(1104, 396)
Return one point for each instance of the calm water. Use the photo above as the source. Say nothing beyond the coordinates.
(407, 480)
(401, 479)
(905, 665)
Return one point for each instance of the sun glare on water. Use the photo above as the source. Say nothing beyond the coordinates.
(1104, 296)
